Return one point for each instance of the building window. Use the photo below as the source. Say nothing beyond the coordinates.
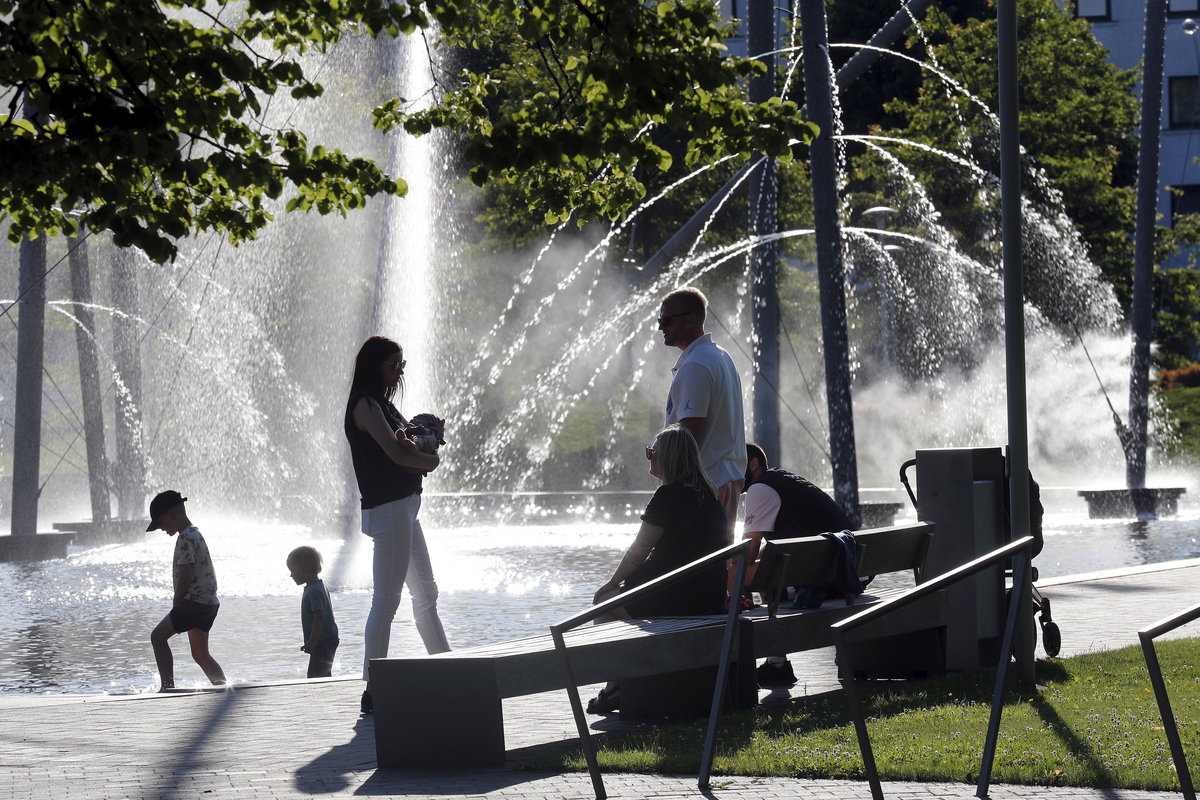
(1182, 8)
(1184, 200)
(1095, 10)
(1182, 97)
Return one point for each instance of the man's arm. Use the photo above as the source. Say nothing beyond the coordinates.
(692, 390)
(695, 426)
(762, 507)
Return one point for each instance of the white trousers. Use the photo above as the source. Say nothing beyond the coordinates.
(401, 557)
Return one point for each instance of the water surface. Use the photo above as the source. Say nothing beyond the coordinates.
(82, 624)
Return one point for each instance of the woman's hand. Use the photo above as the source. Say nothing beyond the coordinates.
(605, 592)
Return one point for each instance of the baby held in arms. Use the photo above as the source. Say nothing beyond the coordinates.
(425, 433)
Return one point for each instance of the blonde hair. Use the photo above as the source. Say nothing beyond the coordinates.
(307, 557)
(679, 459)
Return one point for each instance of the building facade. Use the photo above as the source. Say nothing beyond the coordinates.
(1120, 26)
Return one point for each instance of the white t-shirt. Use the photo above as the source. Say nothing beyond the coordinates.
(762, 507)
(707, 384)
(190, 548)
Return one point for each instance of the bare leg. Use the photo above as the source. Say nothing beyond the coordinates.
(160, 641)
(199, 642)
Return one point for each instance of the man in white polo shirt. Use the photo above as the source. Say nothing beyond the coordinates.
(706, 396)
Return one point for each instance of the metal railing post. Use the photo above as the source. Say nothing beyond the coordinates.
(739, 551)
(710, 738)
(1020, 567)
(842, 628)
(1170, 727)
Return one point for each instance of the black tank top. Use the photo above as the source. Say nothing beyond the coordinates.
(380, 480)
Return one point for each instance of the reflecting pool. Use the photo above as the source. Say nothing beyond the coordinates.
(82, 624)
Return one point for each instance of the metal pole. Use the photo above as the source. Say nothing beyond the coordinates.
(988, 758)
(855, 67)
(1149, 126)
(818, 74)
(89, 380)
(27, 419)
(1014, 317)
(763, 265)
(130, 469)
(27, 423)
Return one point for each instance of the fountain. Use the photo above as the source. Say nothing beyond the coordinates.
(552, 381)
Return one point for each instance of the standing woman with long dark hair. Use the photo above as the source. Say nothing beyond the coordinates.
(389, 479)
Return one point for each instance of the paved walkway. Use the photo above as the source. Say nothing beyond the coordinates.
(300, 740)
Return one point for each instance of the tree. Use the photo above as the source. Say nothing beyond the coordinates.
(146, 111)
(1065, 75)
(143, 115)
(566, 105)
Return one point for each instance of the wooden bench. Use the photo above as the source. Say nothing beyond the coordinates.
(811, 561)
(445, 710)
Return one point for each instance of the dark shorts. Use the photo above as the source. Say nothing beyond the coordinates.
(189, 615)
(320, 660)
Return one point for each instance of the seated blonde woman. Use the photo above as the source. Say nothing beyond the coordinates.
(684, 521)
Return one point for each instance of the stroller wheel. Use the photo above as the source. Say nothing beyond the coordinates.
(1051, 638)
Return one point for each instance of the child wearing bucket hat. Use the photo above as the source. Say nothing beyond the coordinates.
(195, 603)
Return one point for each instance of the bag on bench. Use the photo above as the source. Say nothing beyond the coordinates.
(847, 584)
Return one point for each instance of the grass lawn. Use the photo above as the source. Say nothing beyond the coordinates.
(1093, 723)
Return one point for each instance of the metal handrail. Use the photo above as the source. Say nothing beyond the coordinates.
(1147, 637)
(739, 551)
(840, 629)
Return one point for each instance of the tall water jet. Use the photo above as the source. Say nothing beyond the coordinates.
(406, 302)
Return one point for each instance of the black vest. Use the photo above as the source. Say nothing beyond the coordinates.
(804, 510)
(380, 480)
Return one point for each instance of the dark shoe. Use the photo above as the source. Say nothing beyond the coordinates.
(366, 705)
(775, 674)
(606, 701)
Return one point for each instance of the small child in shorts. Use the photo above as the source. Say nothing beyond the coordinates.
(316, 612)
(195, 604)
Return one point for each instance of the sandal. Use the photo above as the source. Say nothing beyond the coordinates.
(607, 700)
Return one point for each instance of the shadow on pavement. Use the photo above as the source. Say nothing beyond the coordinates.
(328, 772)
(192, 758)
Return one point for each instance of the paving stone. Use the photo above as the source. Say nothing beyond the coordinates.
(293, 741)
